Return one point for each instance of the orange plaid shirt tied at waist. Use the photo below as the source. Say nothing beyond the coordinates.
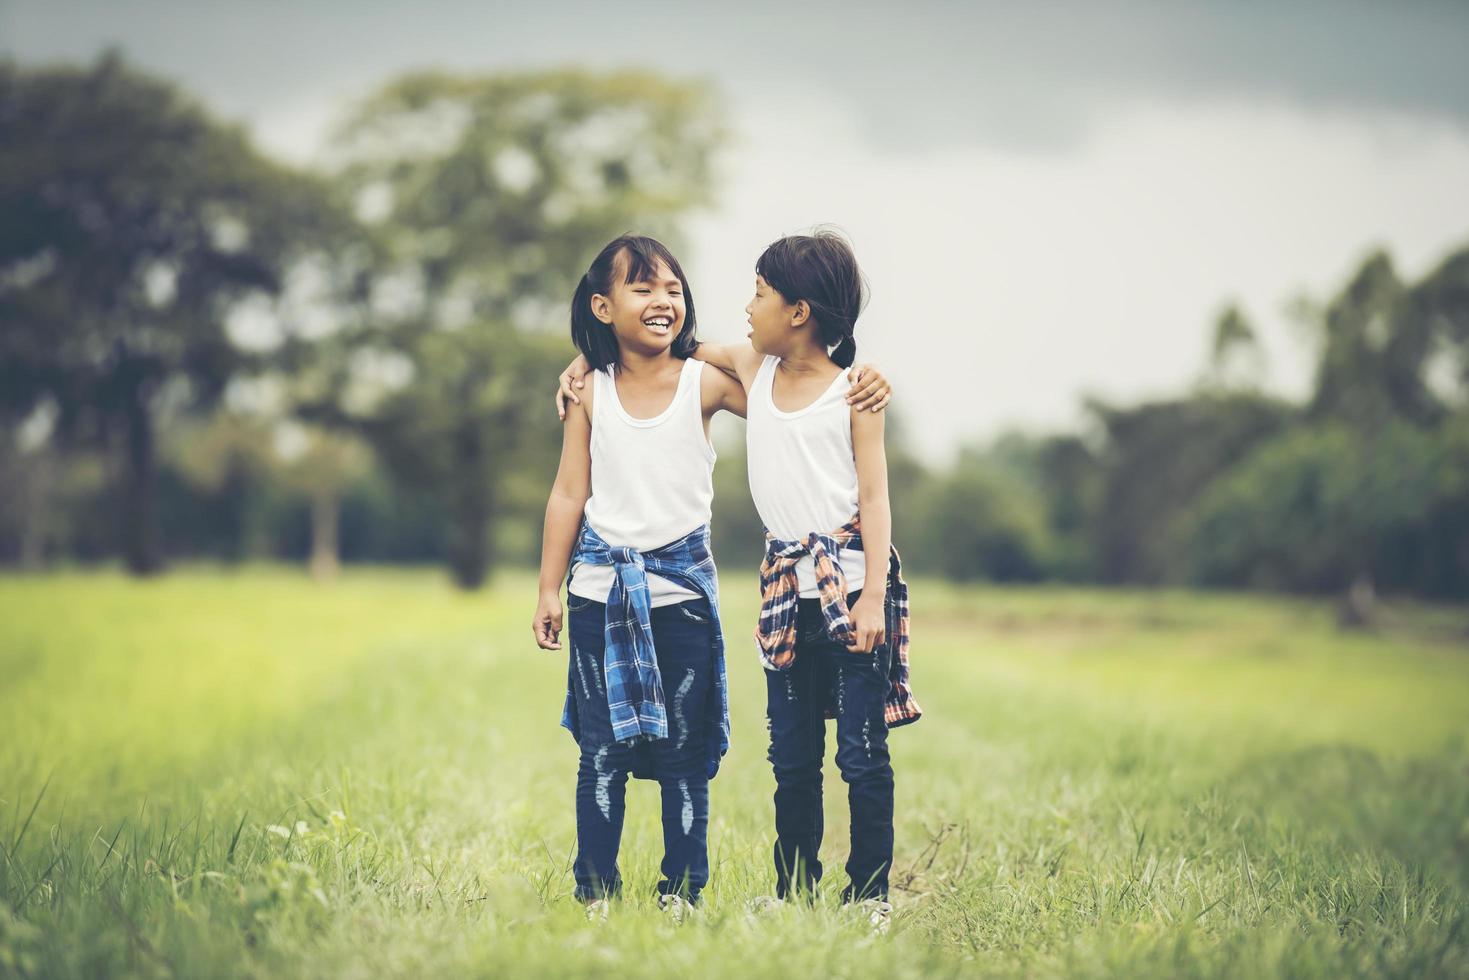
(780, 596)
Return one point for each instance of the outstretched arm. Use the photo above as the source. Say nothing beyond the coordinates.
(739, 361)
(720, 392)
(870, 390)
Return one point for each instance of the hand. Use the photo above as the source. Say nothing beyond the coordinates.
(573, 377)
(547, 624)
(870, 390)
(869, 626)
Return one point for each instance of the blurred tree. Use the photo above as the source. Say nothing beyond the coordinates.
(908, 482)
(1441, 303)
(382, 520)
(1069, 480)
(322, 464)
(29, 467)
(467, 421)
(1373, 353)
(1371, 490)
(218, 480)
(130, 223)
(1158, 458)
(981, 521)
(1231, 331)
(1318, 508)
(736, 529)
(488, 196)
(1064, 476)
(1376, 345)
(1236, 360)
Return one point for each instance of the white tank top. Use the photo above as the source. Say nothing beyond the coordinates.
(803, 474)
(652, 481)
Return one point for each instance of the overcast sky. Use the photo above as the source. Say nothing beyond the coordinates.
(1050, 200)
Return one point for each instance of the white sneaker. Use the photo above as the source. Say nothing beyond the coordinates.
(598, 909)
(879, 914)
(676, 907)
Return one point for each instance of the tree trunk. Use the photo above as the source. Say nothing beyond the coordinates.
(470, 555)
(35, 492)
(325, 508)
(1359, 606)
(140, 547)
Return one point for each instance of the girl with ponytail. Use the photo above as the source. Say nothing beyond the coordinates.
(833, 630)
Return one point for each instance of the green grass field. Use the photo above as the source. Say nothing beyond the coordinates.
(249, 774)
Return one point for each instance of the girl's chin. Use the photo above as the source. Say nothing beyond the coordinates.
(650, 344)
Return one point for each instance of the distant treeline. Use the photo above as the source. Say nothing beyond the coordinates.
(207, 354)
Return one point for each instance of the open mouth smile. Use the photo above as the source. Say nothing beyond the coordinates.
(659, 324)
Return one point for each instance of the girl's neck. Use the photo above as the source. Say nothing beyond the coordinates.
(806, 359)
(634, 364)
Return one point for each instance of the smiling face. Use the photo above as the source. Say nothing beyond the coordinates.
(772, 318)
(645, 314)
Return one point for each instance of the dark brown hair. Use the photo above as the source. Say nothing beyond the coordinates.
(821, 269)
(595, 339)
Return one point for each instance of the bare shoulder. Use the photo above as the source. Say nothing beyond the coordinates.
(588, 395)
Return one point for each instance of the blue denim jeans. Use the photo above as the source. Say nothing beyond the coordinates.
(683, 640)
(826, 674)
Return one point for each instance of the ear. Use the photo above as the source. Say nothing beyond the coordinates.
(800, 313)
(601, 308)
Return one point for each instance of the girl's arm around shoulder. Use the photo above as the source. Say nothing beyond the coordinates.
(739, 361)
(720, 392)
(570, 383)
(870, 389)
(569, 493)
(868, 620)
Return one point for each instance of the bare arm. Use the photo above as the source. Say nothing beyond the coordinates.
(569, 493)
(739, 361)
(877, 527)
(731, 359)
(870, 390)
(574, 377)
(720, 392)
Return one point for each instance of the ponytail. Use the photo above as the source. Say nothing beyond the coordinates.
(845, 352)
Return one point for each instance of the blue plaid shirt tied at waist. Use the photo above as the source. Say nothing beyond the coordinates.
(634, 686)
(780, 595)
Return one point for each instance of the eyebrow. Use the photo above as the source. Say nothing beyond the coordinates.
(650, 281)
